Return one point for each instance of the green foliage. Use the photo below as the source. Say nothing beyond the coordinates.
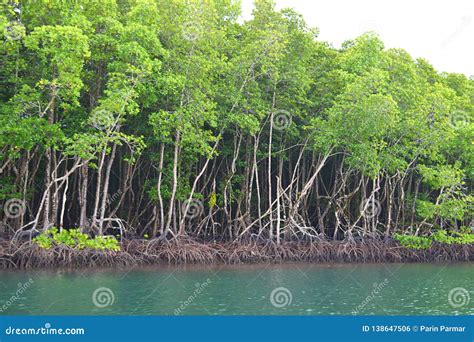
(425, 209)
(149, 95)
(458, 238)
(414, 242)
(74, 238)
(212, 200)
(463, 237)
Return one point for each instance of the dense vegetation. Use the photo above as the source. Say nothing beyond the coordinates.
(440, 236)
(175, 119)
(74, 238)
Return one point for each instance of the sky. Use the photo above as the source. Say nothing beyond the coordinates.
(440, 31)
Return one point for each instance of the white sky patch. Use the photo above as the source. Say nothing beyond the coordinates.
(438, 30)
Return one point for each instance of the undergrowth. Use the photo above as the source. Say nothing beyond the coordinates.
(74, 238)
(463, 237)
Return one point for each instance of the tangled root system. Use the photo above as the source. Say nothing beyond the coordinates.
(24, 255)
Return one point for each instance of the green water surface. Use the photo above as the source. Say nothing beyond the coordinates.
(289, 289)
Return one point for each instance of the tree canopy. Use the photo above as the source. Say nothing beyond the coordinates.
(176, 118)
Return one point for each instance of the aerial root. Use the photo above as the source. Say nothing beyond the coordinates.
(23, 255)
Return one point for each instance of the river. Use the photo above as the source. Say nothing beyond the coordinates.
(288, 289)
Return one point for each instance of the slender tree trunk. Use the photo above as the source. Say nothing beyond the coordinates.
(269, 176)
(174, 185)
(83, 196)
(160, 219)
(105, 190)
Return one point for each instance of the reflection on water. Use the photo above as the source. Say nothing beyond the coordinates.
(295, 289)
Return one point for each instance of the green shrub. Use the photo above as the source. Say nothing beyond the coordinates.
(459, 238)
(74, 238)
(414, 242)
(43, 241)
(464, 237)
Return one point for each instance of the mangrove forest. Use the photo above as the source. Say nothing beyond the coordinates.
(141, 131)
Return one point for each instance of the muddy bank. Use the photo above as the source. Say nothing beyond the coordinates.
(23, 255)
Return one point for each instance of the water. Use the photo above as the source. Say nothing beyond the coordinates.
(298, 289)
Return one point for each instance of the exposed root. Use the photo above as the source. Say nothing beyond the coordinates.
(16, 254)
